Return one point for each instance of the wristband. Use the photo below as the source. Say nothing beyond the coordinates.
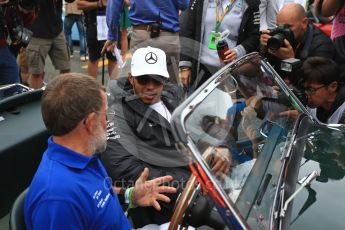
(131, 198)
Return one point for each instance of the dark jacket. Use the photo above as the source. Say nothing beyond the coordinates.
(191, 22)
(140, 137)
(320, 45)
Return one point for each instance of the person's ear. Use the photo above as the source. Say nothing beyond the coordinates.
(305, 22)
(90, 122)
(131, 79)
(333, 86)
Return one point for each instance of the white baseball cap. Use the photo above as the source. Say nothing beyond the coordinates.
(149, 61)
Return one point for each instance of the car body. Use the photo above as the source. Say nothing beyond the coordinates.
(286, 172)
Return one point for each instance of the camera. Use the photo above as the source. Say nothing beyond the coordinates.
(292, 70)
(278, 35)
(21, 34)
(301, 95)
(18, 34)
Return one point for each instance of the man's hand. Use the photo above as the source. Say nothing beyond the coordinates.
(264, 37)
(109, 46)
(185, 76)
(284, 52)
(148, 193)
(230, 55)
(221, 160)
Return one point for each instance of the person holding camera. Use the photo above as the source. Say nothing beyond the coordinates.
(295, 37)
(14, 16)
(155, 23)
(324, 90)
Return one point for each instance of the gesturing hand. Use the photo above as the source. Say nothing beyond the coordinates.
(149, 192)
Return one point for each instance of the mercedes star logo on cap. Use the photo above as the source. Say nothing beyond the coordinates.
(151, 58)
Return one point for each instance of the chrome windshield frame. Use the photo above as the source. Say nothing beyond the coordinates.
(184, 139)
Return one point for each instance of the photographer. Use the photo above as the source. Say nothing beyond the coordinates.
(14, 16)
(295, 37)
(325, 92)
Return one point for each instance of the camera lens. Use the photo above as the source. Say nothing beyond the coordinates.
(275, 42)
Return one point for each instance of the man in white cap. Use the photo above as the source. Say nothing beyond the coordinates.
(140, 135)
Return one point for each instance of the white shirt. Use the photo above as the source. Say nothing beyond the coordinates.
(160, 108)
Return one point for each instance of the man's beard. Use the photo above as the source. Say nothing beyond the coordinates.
(99, 141)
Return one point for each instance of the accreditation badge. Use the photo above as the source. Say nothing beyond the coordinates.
(213, 40)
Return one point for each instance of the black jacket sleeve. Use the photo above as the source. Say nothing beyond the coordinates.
(321, 45)
(250, 36)
(118, 159)
(188, 24)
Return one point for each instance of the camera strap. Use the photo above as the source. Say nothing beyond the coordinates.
(307, 45)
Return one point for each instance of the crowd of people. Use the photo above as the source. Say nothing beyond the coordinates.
(124, 144)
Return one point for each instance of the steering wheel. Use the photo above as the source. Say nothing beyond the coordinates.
(186, 195)
(183, 203)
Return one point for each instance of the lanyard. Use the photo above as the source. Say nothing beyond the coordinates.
(219, 18)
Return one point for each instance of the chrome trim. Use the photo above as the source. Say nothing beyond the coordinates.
(288, 92)
(9, 86)
(226, 199)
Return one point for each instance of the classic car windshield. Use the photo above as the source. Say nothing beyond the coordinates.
(243, 111)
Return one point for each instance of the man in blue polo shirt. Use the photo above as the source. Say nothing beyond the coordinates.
(71, 189)
(155, 23)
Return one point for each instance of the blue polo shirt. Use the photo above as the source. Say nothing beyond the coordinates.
(72, 191)
(145, 12)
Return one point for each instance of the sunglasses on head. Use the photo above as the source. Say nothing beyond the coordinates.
(145, 79)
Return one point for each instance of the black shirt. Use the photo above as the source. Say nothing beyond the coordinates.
(48, 23)
(91, 15)
(321, 45)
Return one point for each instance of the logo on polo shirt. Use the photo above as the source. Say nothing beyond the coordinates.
(102, 200)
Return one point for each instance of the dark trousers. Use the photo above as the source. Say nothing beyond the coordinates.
(68, 23)
(9, 71)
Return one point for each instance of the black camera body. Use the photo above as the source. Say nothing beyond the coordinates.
(278, 35)
(301, 95)
(20, 34)
(17, 33)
